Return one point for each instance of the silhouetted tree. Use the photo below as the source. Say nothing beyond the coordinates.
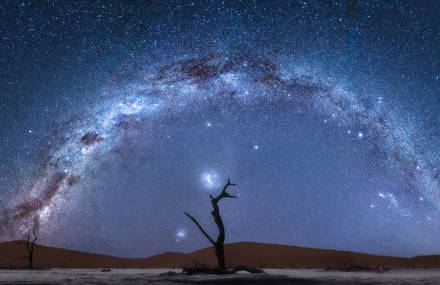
(219, 243)
(30, 248)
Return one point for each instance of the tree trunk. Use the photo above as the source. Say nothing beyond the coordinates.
(31, 261)
(220, 253)
(219, 244)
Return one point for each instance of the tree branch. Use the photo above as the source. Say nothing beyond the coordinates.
(35, 237)
(200, 227)
(224, 194)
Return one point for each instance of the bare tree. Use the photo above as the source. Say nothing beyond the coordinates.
(219, 243)
(30, 248)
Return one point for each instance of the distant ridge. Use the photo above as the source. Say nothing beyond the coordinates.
(240, 253)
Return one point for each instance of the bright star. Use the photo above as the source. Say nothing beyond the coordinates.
(361, 134)
(256, 147)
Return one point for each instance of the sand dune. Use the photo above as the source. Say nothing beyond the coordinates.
(13, 253)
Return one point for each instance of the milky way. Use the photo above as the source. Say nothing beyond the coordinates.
(207, 82)
(145, 96)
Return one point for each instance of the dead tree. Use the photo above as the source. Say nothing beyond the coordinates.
(219, 243)
(30, 248)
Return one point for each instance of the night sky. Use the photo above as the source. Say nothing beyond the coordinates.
(118, 116)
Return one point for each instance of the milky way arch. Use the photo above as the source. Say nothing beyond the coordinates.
(216, 80)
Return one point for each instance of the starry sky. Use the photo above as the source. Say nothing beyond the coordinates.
(118, 116)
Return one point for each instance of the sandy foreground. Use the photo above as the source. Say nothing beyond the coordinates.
(272, 276)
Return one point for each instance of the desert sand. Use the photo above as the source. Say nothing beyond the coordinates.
(283, 265)
(241, 253)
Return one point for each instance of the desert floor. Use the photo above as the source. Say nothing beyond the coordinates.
(272, 276)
